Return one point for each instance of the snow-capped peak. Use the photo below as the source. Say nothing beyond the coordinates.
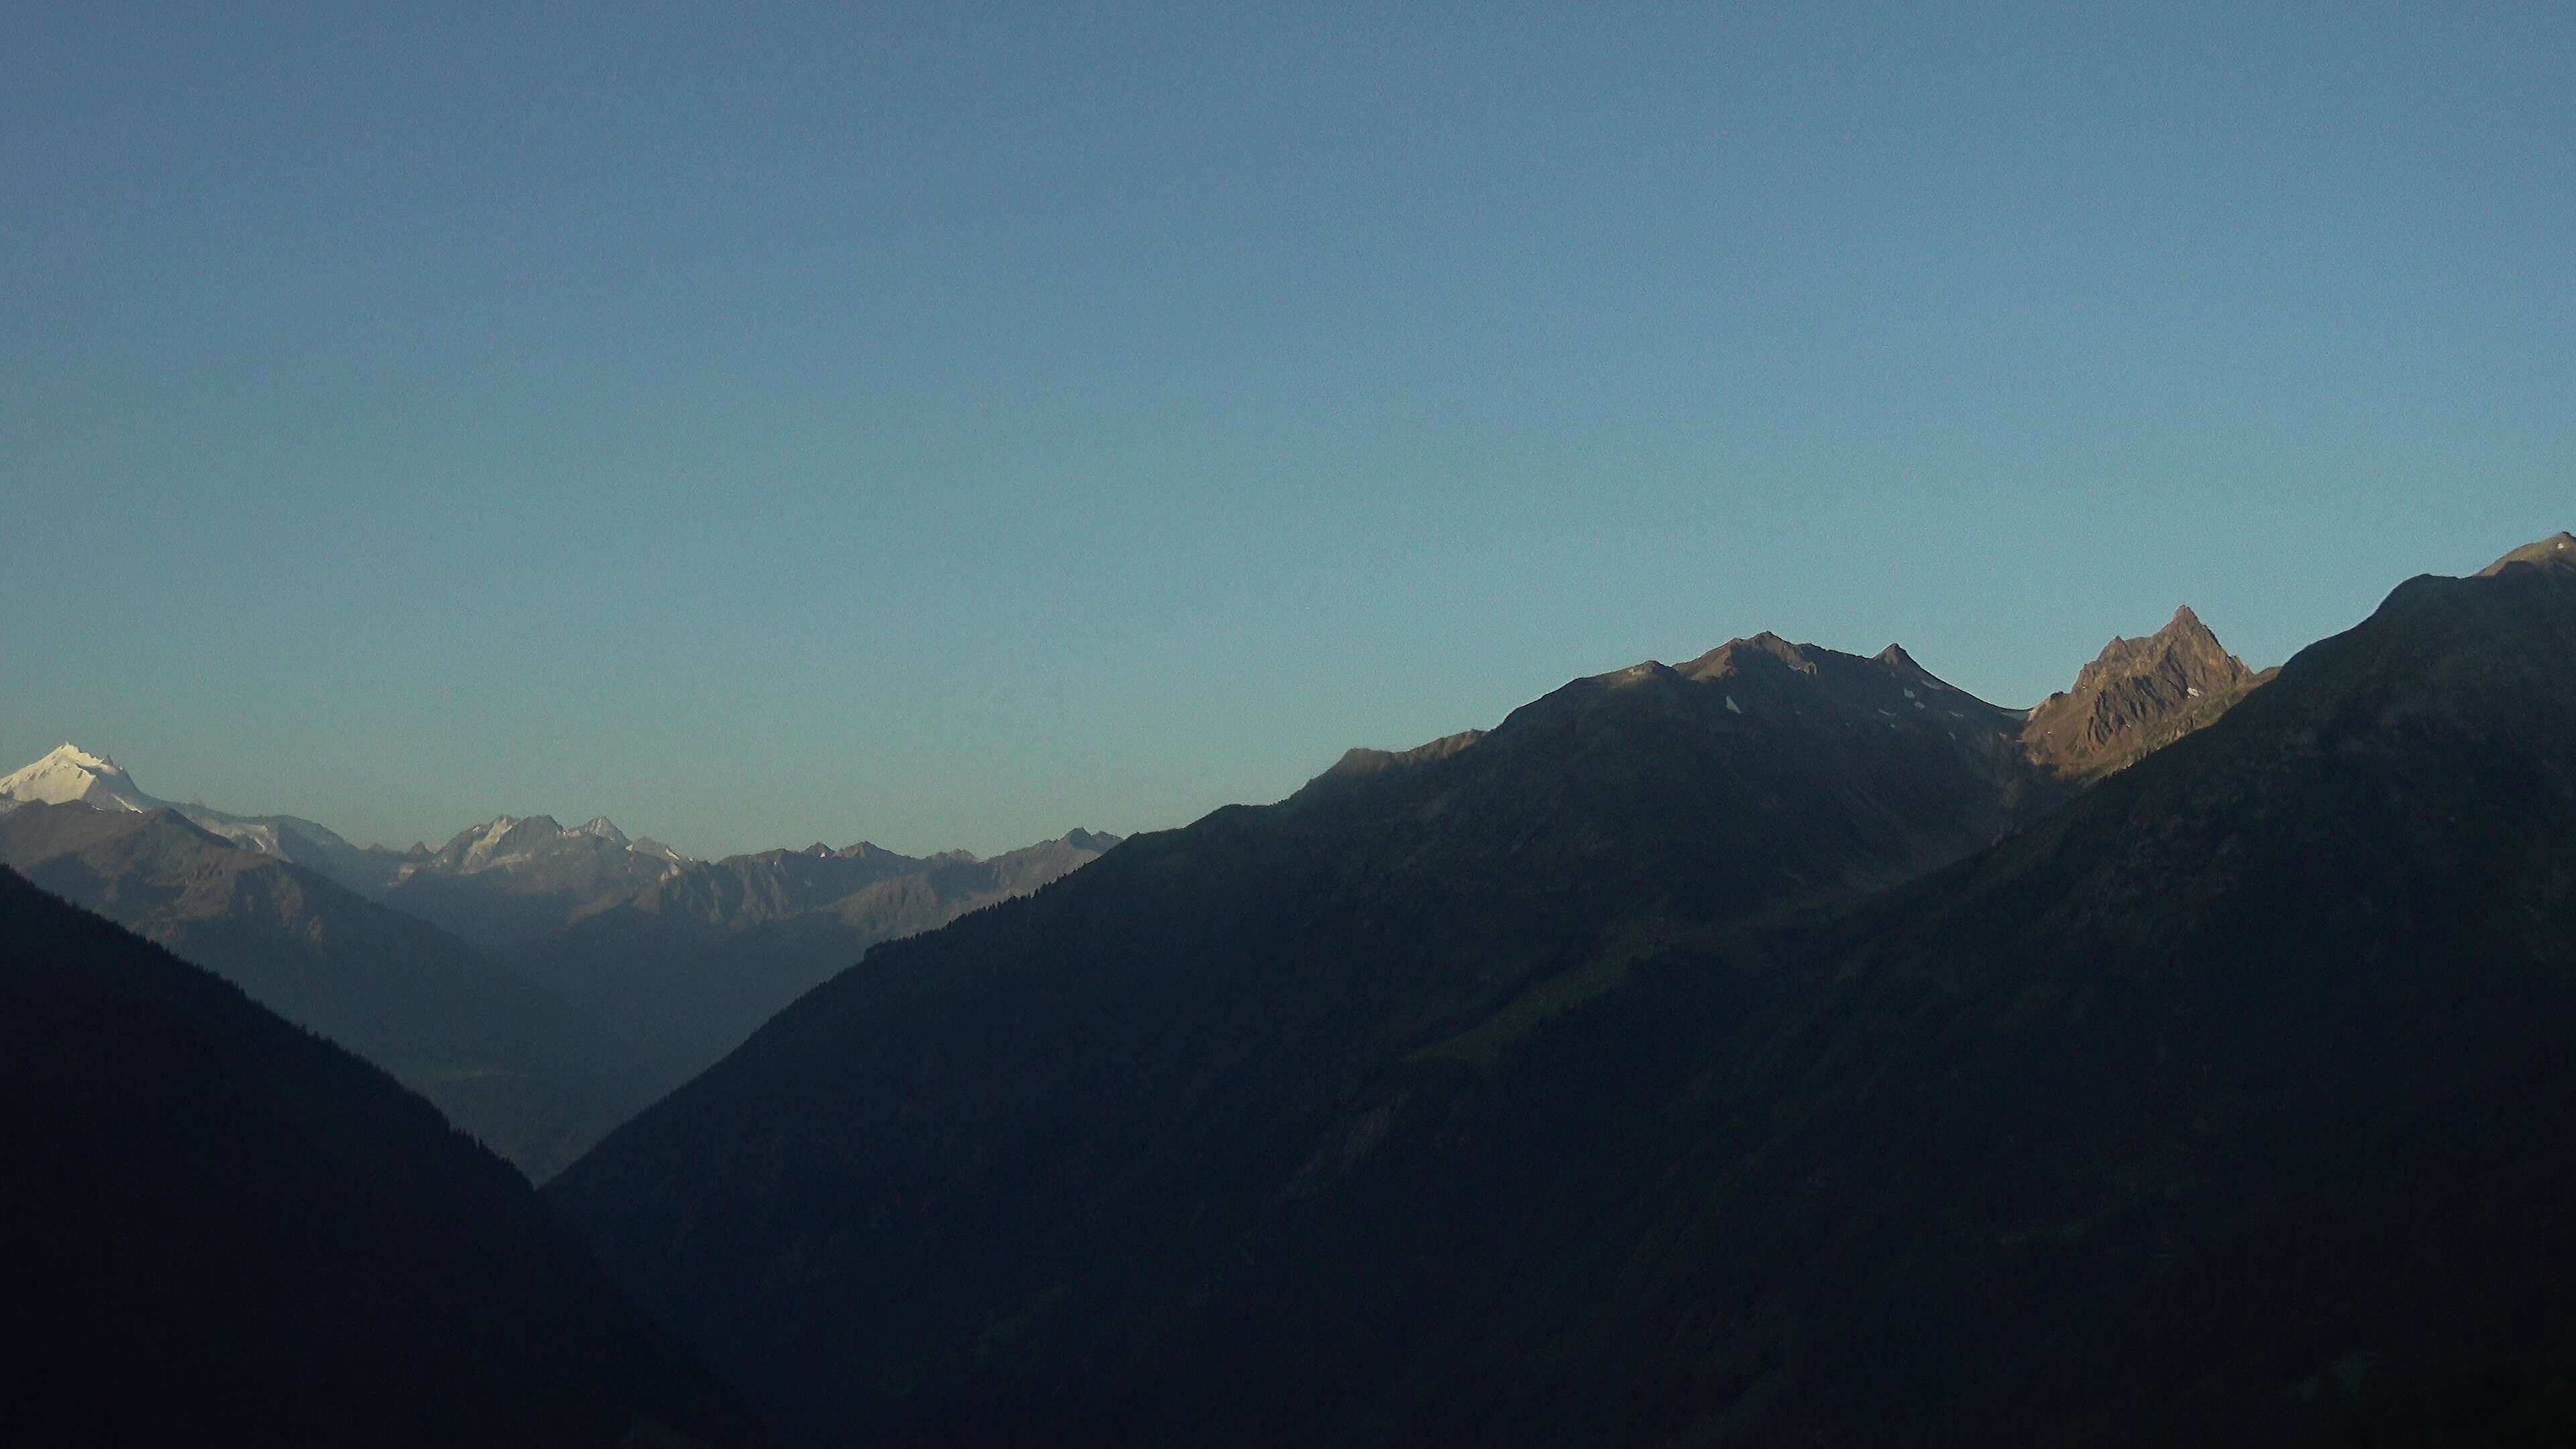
(70, 774)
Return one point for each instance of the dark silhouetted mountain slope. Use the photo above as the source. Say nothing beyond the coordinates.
(1576, 1088)
(223, 1229)
(507, 1060)
(1012, 1162)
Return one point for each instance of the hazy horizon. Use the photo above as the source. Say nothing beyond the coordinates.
(950, 426)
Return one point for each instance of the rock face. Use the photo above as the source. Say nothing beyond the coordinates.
(231, 1231)
(1689, 1062)
(2138, 696)
(506, 1059)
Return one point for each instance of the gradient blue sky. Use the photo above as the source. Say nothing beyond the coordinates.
(951, 424)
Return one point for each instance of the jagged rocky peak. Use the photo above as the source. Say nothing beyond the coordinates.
(509, 838)
(1906, 667)
(502, 837)
(2558, 551)
(2184, 653)
(2137, 696)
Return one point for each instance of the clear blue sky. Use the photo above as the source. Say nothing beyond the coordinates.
(954, 424)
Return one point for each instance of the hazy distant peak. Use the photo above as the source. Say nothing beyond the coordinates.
(71, 756)
(516, 839)
(502, 836)
(1091, 840)
(69, 774)
(2558, 551)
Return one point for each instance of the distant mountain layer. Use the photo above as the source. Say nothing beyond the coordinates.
(71, 775)
(1769, 1050)
(626, 965)
(686, 970)
(225, 1230)
(506, 1059)
(510, 881)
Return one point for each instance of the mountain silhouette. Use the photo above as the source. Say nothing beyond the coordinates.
(506, 1059)
(1083, 1099)
(226, 1230)
(1734, 1054)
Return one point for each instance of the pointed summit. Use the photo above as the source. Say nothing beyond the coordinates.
(1763, 650)
(2558, 551)
(70, 775)
(2137, 696)
(2183, 647)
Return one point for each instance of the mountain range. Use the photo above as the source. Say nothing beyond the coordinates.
(687, 968)
(539, 984)
(70, 775)
(503, 1056)
(1784, 1047)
